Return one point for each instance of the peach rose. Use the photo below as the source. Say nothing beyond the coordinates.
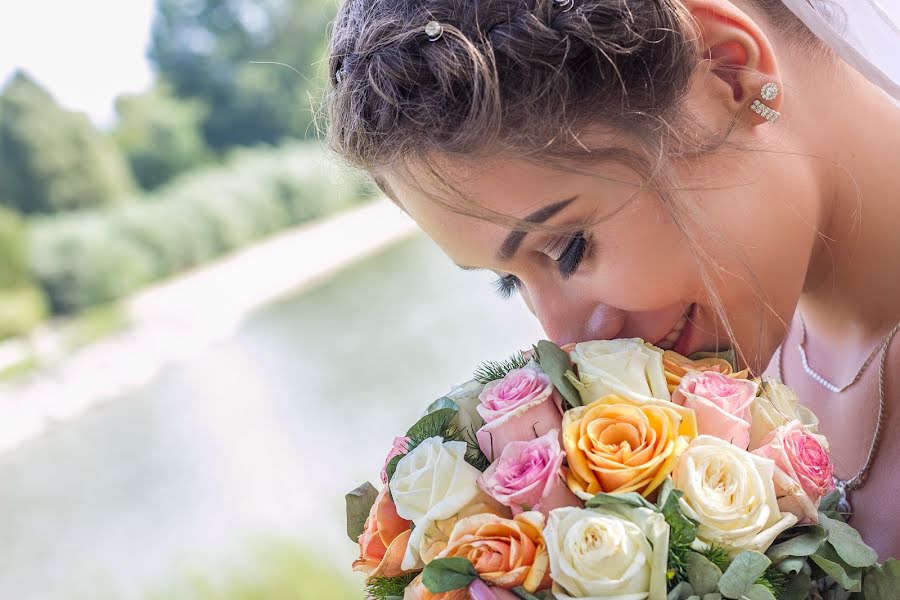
(624, 445)
(383, 543)
(677, 366)
(506, 553)
(722, 404)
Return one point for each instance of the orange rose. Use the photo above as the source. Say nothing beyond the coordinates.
(677, 366)
(417, 591)
(619, 445)
(383, 543)
(506, 553)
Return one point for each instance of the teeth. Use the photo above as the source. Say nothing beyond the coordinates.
(668, 342)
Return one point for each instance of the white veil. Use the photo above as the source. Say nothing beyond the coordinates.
(865, 33)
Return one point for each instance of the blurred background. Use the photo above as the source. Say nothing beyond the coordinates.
(210, 331)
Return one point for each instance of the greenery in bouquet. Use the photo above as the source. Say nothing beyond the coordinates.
(612, 469)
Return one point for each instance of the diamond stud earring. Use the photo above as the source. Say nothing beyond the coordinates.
(768, 92)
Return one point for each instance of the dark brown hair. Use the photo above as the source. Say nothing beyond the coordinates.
(521, 78)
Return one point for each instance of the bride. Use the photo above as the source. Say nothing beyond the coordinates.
(701, 174)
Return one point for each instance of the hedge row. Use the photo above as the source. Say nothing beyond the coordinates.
(91, 258)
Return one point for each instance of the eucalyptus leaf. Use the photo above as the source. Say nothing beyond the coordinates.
(448, 574)
(797, 587)
(391, 467)
(440, 403)
(802, 545)
(683, 528)
(758, 592)
(702, 574)
(882, 582)
(359, 504)
(830, 501)
(837, 572)
(664, 490)
(630, 498)
(713, 596)
(682, 591)
(555, 362)
(742, 573)
(539, 595)
(847, 542)
(791, 565)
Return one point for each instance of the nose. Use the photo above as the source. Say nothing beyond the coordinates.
(568, 318)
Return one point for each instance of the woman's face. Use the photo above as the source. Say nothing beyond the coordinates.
(634, 274)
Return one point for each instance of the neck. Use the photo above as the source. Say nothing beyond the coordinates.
(853, 281)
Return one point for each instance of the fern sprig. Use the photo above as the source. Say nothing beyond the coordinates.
(380, 588)
(492, 370)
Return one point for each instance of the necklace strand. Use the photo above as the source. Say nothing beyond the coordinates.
(820, 379)
(858, 480)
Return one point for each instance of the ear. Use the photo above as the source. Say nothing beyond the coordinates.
(740, 57)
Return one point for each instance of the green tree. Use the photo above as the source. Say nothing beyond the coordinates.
(160, 135)
(52, 159)
(22, 305)
(205, 48)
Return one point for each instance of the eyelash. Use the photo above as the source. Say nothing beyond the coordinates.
(568, 262)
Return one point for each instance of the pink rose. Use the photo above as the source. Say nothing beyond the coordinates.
(803, 470)
(528, 476)
(399, 448)
(519, 388)
(520, 407)
(722, 404)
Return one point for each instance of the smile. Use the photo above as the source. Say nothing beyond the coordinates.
(671, 339)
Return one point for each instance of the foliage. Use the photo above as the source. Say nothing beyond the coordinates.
(492, 370)
(13, 267)
(95, 257)
(382, 588)
(21, 308)
(160, 135)
(52, 159)
(206, 50)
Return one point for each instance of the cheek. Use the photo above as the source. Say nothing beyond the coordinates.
(641, 261)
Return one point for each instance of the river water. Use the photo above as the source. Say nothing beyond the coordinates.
(259, 436)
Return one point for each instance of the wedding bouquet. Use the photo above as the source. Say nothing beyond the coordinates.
(612, 469)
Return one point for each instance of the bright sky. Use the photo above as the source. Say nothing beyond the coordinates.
(85, 52)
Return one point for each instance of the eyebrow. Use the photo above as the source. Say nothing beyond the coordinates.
(515, 238)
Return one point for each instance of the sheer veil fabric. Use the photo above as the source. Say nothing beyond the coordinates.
(865, 33)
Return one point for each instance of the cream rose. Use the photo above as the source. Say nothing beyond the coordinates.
(611, 552)
(622, 367)
(777, 405)
(467, 419)
(431, 484)
(731, 494)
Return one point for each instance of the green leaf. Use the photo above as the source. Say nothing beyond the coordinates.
(664, 490)
(448, 574)
(802, 545)
(702, 574)
(555, 362)
(791, 565)
(844, 575)
(830, 501)
(713, 596)
(359, 503)
(491, 370)
(882, 582)
(391, 467)
(539, 595)
(797, 588)
(388, 588)
(682, 591)
(630, 498)
(434, 424)
(741, 575)
(683, 528)
(847, 542)
(758, 592)
(440, 403)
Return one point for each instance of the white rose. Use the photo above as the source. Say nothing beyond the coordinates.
(432, 483)
(467, 419)
(731, 494)
(778, 405)
(624, 367)
(610, 552)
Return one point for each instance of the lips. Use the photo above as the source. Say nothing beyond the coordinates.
(671, 340)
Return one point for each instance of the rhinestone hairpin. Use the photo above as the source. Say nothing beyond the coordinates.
(434, 31)
(565, 5)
